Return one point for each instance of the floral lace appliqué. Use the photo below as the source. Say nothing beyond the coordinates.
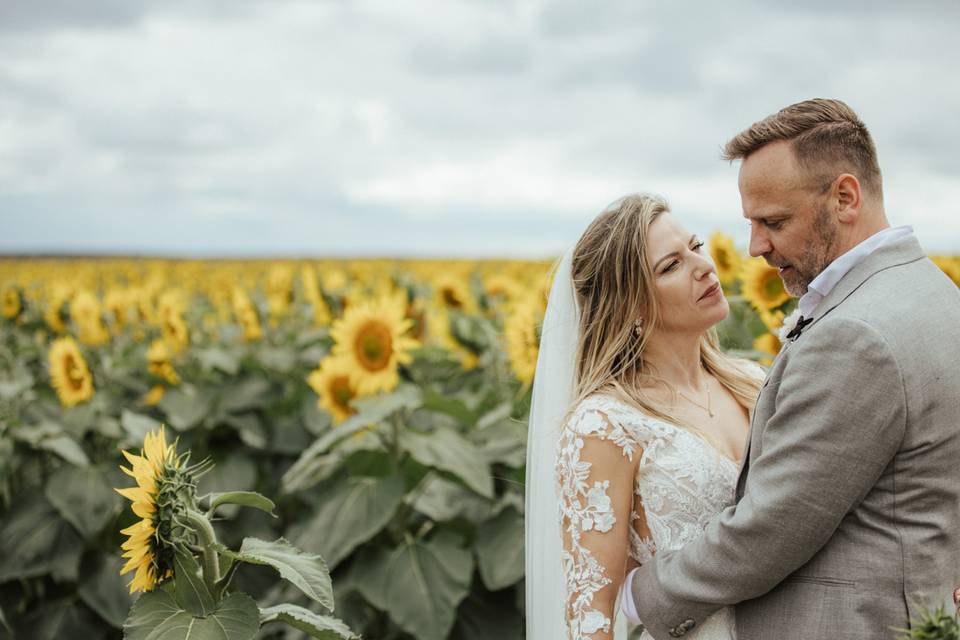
(585, 507)
(682, 481)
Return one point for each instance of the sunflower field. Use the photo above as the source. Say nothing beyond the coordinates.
(380, 404)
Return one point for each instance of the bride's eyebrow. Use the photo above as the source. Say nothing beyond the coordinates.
(672, 254)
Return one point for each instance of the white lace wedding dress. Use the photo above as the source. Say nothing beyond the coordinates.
(681, 482)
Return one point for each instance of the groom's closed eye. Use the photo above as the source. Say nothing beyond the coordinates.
(770, 223)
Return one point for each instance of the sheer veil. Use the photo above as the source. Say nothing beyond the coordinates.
(553, 389)
(552, 395)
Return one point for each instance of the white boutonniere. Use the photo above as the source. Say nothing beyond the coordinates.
(788, 324)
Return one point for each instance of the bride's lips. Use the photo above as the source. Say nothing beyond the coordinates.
(714, 288)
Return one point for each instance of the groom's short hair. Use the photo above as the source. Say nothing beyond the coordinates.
(826, 135)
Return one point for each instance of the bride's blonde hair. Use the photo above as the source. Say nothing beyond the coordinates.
(613, 284)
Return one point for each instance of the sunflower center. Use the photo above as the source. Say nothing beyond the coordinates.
(374, 346)
(74, 373)
(451, 300)
(341, 392)
(773, 287)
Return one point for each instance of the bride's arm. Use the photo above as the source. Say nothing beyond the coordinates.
(596, 475)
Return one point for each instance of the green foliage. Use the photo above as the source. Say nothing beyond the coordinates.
(361, 507)
(317, 626)
(307, 572)
(932, 625)
(414, 503)
(157, 615)
(420, 584)
(499, 549)
(243, 498)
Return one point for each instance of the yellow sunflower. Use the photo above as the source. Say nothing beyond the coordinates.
(452, 292)
(334, 280)
(142, 301)
(143, 548)
(170, 309)
(86, 313)
(769, 344)
(153, 397)
(371, 336)
(117, 302)
(12, 302)
(331, 381)
(418, 314)
(438, 322)
(311, 292)
(950, 266)
(772, 319)
(159, 362)
(54, 314)
(501, 288)
(279, 291)
(726, 258)
(521, 332)
(69, 372)
(762, 286)
(246, 315)
(175, 332)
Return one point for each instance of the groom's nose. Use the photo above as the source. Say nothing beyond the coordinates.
(759, 240)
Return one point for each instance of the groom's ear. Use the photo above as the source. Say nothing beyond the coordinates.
(848, 198)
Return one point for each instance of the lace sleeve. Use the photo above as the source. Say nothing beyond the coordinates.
(596, 465)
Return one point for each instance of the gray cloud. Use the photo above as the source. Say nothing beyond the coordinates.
(472, 128)
(41, 15)
(48, 14)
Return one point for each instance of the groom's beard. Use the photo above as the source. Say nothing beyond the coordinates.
(816, 256)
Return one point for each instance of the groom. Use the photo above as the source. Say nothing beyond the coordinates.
(847, 514)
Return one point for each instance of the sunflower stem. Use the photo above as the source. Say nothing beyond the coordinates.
(208, 540)
(395, 441)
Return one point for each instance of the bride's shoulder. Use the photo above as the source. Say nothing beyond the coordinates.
(602, 412)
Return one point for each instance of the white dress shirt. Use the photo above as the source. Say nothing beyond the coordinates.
(824, 283)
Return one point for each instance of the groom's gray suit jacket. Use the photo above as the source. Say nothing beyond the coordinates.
(847, 514)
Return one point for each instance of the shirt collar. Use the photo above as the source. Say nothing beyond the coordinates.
(824, 283)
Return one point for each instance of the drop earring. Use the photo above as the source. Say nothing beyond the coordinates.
(638, 326)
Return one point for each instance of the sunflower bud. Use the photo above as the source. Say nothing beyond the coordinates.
(165, 498)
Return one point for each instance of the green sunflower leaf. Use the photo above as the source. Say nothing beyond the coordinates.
(191, 591)
(420, 584)
(307, 572)
(243, 498)
(316, 626)
(350, 513)
(218, 358)
(185, 407)
(67, 448)
(36, 541)
(449, 452)
(103, 589)
(84, 497)
(499, 549)
(157, 615)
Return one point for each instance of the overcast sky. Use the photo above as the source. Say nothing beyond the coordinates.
(463, 128)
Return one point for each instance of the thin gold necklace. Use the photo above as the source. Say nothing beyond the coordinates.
(708, 408)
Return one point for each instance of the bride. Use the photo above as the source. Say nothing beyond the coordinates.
(637, 423)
